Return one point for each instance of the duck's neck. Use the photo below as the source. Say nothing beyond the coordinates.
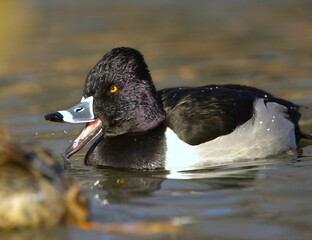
(137, 151)
(149, 113)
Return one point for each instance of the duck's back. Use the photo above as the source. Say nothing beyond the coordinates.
(201, 114)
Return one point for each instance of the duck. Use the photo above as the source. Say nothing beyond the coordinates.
(34, 190)
(134, 126)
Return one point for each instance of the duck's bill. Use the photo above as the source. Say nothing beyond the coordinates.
(79, 113)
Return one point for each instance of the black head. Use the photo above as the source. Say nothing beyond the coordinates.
(125, 98)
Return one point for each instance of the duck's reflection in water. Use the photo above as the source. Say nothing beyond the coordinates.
(120, 187)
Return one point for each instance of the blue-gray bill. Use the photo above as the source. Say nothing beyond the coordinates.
(79, 113)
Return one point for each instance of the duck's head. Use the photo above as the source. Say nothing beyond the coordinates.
(119, 98)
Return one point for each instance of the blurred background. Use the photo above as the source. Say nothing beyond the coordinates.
(48, 47)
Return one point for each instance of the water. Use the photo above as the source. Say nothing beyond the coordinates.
(47, 49)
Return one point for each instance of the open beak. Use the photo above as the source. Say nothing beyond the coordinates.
(79, 113)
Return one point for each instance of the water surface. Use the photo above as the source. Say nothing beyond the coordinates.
(47, 49)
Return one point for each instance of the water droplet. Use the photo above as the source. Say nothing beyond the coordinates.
(260, 122)
(266, 96)
(121, 181)
(36, 133)
(273, 120)
(96, 183)
(65, 131)
(268, 129)
(52, 134)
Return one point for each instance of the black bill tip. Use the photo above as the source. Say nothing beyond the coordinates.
(54, 117)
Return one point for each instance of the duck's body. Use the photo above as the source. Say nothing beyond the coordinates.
(201, 114)
(33, 190)
(176, 128)
(163, 148)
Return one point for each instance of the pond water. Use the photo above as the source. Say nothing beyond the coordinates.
(47, 49)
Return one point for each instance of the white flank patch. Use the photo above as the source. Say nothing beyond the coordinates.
(267, 133)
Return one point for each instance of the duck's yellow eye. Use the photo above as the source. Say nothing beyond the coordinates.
(113, 89)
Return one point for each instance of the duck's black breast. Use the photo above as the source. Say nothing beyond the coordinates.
(139, 151)
(201, 114)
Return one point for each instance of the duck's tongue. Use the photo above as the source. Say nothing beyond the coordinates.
(90, 131)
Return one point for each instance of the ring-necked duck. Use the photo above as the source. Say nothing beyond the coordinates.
(176, 128)
(34, 192)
